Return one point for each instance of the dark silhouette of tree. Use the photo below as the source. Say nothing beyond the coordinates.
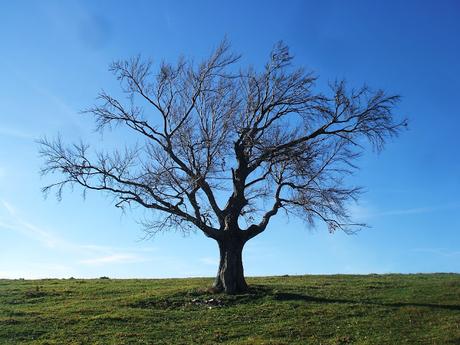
(225, 150)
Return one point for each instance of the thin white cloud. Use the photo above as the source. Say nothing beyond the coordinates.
(16, 133)
(417, 210)
(58, 102)
(209, 261)
(92, 254)
(114, 258)
(45, 93)
(55, 103)
(438, 251)
(110, 249)
(37, 271)
(11, 210)
(362, 212)
(15, 222)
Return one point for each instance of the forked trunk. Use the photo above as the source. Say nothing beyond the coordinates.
(230, 276)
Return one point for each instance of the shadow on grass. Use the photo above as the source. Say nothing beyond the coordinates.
(287, 296)
(203, 298)
(257, 294)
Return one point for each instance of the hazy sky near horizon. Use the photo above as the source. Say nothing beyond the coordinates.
(53, 61)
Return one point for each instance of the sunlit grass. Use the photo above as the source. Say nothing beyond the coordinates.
(343, 309)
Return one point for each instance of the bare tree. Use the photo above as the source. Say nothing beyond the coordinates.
(224, 150)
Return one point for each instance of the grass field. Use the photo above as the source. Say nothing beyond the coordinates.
(342, 309)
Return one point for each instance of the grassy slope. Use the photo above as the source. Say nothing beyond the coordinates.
(344, 309)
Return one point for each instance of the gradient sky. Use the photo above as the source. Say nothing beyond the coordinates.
(53, 61)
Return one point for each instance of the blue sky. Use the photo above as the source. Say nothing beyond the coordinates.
(53, 61)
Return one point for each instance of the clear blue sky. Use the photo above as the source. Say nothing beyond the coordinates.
(53, 61)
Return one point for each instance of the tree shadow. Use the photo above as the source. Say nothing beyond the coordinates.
(260, 293)
(288, 296)
(202, 298)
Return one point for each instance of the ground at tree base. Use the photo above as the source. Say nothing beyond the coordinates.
(339, 309)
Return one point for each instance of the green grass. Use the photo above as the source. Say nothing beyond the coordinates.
(342, 309)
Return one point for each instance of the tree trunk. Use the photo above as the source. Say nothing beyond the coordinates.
(230, 276)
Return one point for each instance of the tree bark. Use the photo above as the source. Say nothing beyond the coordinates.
(230, 276)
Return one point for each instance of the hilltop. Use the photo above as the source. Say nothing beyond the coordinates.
(339, 309)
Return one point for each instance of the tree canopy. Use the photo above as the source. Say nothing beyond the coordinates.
(225, 149)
